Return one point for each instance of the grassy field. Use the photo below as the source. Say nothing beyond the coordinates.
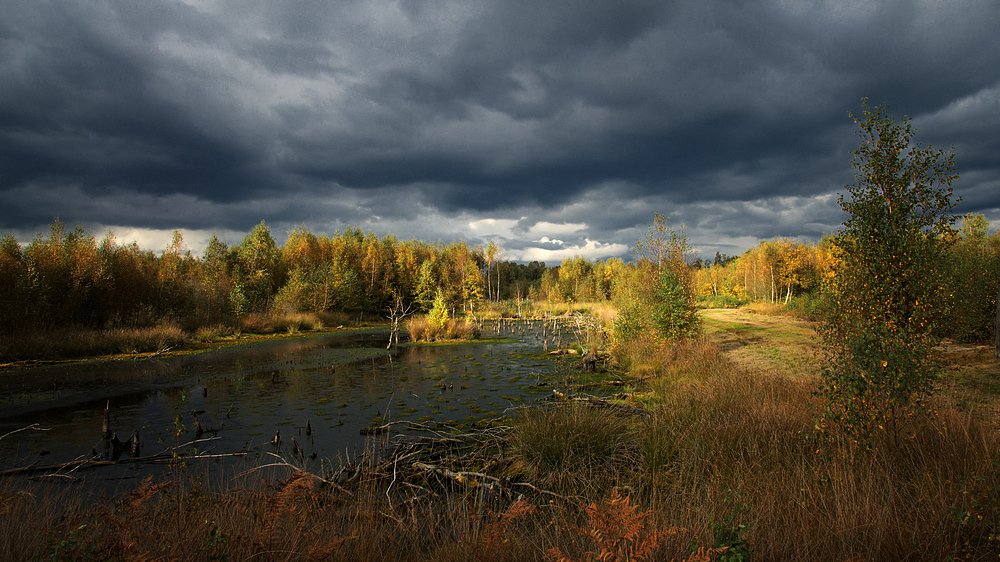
(717, 454)
(764, 342)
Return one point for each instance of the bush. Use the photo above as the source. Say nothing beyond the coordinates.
(673, 312)
(719, 301)
(809, 306)
(438, 315)
(887, 290)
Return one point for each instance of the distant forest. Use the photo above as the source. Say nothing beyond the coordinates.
(74, 280)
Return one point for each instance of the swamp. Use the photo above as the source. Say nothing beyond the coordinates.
(316, 399)
(714, 452)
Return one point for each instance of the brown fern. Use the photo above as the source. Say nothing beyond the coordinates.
(324, 542)
(496, 529)
(5, 500)
(145, 491)
(289, 509)
(295, 494)
(618, 531)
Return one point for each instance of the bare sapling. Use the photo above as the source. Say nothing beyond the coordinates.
(397, 313)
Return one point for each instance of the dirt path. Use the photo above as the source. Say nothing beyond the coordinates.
(771, 343)
(970, 373)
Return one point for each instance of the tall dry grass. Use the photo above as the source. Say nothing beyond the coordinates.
(281, 322)
(736, 456)
(509, 308)
(727, 458)
(422, 329)
(604, 310)
(813, 495)
(574, 449)
(72, 343)
(297, 516)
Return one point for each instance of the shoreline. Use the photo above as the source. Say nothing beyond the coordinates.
(188, 348)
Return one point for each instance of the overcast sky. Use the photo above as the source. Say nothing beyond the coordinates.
(556, 128)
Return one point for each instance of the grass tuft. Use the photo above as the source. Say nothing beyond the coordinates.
(574, 449)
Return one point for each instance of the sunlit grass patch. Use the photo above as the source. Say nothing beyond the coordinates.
(422, 329)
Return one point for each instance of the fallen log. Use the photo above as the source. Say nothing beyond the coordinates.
(480, 480)
(600, 403)
(589, 385)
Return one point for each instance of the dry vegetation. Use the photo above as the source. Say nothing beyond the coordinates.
(727, 461)
(422, 329)
(77, 343)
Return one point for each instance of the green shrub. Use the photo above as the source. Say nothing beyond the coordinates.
(887, 290)
(719, 301)
(439, 311)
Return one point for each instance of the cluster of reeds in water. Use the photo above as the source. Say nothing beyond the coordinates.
(422, 329)
(726, 462)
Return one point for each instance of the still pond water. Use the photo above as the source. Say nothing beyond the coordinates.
(337, 385)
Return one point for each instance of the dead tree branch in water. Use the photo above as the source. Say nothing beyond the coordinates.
(397, 313)
(32, 427)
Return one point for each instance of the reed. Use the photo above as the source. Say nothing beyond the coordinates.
(813, 495)
(421, 329)
(74, 343)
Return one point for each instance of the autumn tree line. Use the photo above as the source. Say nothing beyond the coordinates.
(796, 274)
(71, 279)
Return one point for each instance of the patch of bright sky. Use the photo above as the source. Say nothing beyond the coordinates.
(159, 240)
(591, 250)
(546, 228)
(493, 227)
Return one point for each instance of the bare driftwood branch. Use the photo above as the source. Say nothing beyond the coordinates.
(600, 403)
(32, 427)
(480, 480)
(65, 477)
(283, 463)
(85, 463)
(471, 479)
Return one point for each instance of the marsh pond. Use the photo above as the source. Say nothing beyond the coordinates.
(313, 399)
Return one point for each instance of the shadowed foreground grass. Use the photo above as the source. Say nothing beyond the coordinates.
(725, 462)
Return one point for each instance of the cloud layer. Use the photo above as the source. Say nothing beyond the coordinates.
(558, 128)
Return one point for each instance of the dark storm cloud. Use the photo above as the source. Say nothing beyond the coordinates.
(728, 116)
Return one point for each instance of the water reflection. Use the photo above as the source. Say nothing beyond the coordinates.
(242, 397)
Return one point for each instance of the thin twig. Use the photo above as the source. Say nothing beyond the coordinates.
(32, 427)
